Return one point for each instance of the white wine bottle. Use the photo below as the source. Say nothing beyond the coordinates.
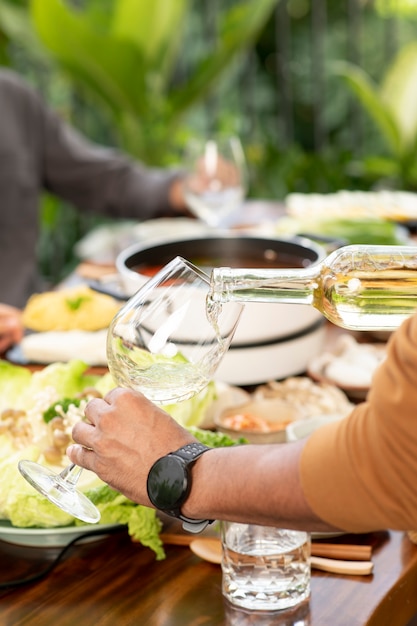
(358, 287)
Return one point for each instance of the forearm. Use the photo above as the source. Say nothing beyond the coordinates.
(257, 484)
(103, 180)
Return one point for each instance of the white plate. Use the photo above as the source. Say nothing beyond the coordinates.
(347, 365)
(48, 537)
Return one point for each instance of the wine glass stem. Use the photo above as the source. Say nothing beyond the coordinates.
(71, 474)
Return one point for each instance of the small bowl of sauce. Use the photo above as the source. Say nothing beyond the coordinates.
(258, 421)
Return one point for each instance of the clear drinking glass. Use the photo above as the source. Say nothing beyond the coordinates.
(265, 568)
(167, 342)
(216, 183)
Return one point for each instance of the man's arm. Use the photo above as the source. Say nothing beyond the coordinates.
(358, 474)
(90, 176)
(255, 484)
(127, 434)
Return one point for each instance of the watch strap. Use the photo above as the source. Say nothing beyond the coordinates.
(190, 453)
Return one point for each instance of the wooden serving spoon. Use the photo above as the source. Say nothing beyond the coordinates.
(210, 549)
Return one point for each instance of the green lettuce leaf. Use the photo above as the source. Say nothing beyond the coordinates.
(68, 379)
(32, 510)
(215, 439)
(18, 385)
(14, 381)
(191, 412)
(24, 507)
(363, 230)
(142, 522)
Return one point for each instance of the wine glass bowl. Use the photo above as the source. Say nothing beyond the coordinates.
(216, 182)
(168, 339)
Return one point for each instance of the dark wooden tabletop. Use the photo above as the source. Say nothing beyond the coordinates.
(113, 582)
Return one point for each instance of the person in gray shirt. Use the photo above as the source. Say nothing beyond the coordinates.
(39, 152)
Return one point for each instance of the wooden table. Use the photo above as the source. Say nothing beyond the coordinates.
(114, 582)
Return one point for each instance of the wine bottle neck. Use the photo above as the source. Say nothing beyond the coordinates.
(291, 286)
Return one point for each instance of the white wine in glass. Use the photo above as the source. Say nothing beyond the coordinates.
(168, 339)
(166, 342)
(216, 183)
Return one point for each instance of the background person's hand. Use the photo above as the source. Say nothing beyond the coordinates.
(127, 433)
(11, 326)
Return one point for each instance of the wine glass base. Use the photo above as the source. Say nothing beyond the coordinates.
(56, 490)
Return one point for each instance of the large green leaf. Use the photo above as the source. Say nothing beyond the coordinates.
(155, 27)
(128, 58)
(111, 67)
(239, 28)
(16, 24)
(399, 93)
(368, 95)
(396, 8)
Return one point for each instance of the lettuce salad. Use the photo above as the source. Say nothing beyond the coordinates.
(29, 396)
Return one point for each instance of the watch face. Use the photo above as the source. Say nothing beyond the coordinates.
(167, 483)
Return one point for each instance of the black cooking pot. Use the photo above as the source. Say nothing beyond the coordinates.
(226, 250)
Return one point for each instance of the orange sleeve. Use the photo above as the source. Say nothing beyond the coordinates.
(360, 474)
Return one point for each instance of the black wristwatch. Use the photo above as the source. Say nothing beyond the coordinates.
(169, 484)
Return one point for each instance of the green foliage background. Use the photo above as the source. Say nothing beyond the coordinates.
(213, 65)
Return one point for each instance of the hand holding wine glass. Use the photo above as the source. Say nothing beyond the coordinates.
(166, 342)
(216, 183)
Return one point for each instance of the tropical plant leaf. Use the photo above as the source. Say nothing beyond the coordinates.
(399, 92)
(396, 8)
(238, 29)
(380, 167)
(366, 91)
(103, 63)
(16, 24)
(127, 59)
(155, 27)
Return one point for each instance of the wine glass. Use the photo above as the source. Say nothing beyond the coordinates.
(216, 182)
(166, 341)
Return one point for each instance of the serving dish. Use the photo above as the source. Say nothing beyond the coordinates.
(281, 411)
(350, 366)
(49, 537)
(303, 428)
(262, 421)
(48, 347)
(399, 206)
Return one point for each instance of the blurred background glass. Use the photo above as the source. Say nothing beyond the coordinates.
(216, 181)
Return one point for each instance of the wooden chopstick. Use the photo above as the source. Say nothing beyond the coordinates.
(337, 566)
(176, 539)
(345, 552)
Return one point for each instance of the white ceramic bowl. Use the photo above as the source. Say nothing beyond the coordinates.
(299, 429)
(273, 340)
(265, 420)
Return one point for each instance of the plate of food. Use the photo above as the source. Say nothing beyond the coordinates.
(269, 411)
(52, 537)
(66, 324)
(398, 206)
(350, 366)
(37, 412)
